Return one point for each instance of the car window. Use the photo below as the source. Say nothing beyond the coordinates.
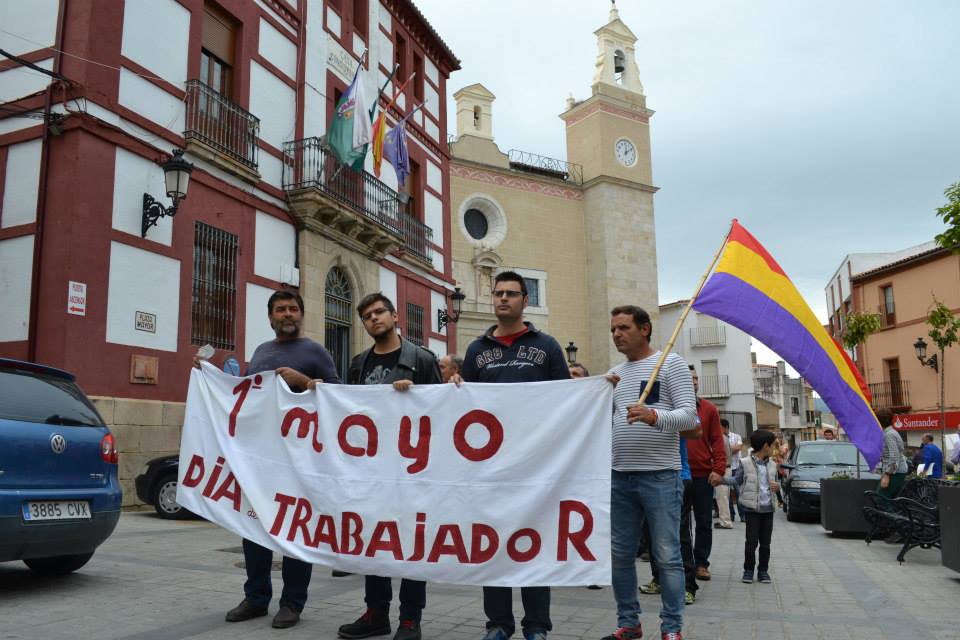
(32, 397)
(828, 454)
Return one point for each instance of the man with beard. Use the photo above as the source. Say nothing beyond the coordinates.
(396, 361)
(514, 351)
(299, 361)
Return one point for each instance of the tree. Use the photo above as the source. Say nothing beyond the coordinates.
(950, 212)
(944, 331)
(859, 327)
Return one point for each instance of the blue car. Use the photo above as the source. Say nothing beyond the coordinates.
(59, 492)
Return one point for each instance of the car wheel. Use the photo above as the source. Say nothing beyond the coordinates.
(58, 565)
(791, 514)
(165, 499)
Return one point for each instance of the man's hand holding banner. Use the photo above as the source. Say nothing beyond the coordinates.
(482, 484)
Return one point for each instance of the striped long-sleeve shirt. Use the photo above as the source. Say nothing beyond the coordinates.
(893, 459)
(642, 447)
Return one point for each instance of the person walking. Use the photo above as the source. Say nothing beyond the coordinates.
(299, 361)
(708, 464)
(721, 492)
(757, 480)
(893, 460)
(396, 361)
(645, 479)
(514, 351)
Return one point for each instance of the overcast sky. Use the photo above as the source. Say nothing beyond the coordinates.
(826, 126)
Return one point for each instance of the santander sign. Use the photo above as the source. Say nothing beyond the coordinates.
(929, 421)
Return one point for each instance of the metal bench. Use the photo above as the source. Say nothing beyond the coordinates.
(913, 516)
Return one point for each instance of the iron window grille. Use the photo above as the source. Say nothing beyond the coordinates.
(415, 324)
(214, 304)
(338, 308)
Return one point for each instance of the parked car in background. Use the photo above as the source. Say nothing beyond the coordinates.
(157, 485)
(808, 463)
(59, 492)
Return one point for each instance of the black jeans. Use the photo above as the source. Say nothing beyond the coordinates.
(258, 588)
(759, 531)
(686, 543)
(702, 498)
(498, 605)
(413, 596)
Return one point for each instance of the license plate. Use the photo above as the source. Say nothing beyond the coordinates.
(57, 510)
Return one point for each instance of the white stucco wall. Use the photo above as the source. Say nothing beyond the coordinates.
(156, 35)
(278, 49)
(388, 284)
(275, 103)
(17, 83)
(142, 281)
(275, 246)
(37, 27)
(16, 267)
(21, 184)
(258, 326)
(133, 176)
(151, 102)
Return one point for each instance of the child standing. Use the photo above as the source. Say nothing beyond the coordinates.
(756, 482)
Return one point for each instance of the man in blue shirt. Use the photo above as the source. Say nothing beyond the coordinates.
(932, 456)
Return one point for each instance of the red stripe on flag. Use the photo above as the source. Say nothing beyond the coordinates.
(741, 235)
(856, 372)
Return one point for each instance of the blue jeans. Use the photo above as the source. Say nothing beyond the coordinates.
(258, 588)
(413, 596)
(654, 496)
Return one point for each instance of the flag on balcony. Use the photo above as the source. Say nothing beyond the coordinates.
(349, 132)
(380, 129)
(395, 149)
(749, 290)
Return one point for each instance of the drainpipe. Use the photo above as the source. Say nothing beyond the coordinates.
(42, 195)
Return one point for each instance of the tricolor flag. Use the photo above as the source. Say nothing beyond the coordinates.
(749, 290)
(380, 129)
(350, 130)
(395, 149)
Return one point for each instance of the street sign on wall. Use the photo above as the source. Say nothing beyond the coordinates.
(77, 298)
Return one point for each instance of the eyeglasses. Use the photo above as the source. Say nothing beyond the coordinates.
(375, 312)
(507, 294)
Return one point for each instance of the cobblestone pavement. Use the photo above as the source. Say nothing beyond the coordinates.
(159, 580)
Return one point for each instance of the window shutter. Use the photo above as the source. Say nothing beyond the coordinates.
(219, 33)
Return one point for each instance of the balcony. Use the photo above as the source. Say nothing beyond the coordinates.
(890, 395)
(708, 336)
(221, 131)
(888, 315)
(714, 386)
(349, 206)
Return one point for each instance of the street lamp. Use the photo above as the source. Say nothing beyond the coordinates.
(445, 317)
(176, 175)
(571, 350)
(920, 346)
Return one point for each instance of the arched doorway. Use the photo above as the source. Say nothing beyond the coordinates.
(339, 319)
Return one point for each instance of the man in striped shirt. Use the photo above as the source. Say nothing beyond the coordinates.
(645, 482)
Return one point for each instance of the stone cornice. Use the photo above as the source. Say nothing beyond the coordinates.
(514, 180)
(620, 182)
(600, 106)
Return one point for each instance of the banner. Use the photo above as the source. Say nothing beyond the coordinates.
(482, 484)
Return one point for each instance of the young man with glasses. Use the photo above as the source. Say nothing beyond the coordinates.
(514, 351)
(396, 361)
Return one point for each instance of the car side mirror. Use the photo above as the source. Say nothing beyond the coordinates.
(787, 466)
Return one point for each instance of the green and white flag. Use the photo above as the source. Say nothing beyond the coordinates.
(350, 131)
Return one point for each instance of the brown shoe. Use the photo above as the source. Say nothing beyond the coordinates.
(703, 573)
(285, 618)
(245, 611)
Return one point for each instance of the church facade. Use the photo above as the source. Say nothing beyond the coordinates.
(580, 232)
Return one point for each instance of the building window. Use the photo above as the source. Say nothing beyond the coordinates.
(418, 77)
(400, 58)
(795, 405)
(415, 324)
(482, 221)
(533, 291)
(476, 224)
(887, 308)
(360, 15)
(213, 315)
(219, 46)
(338, 311)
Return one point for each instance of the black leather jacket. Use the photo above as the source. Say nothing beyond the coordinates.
(415, 363)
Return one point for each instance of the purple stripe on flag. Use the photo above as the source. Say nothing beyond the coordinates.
(734, 301)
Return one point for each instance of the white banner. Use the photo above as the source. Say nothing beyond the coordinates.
(482, 484)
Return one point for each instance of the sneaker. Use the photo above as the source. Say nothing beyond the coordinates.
(703, 573)
(336, 573)
(747, 576)
(496, 633)
(625, 633)
(645, 556)
(717, 525)
(673, 635)
(408, 630)
(651, 588)
(594, 587)
(285, 618)
(690, 598)
(245, 611)
(764, 577)
(534, 635)
(371, 623)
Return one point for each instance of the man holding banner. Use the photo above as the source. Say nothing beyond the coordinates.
(514, 351)
(298, 361)
(391, 360)
(645, 479)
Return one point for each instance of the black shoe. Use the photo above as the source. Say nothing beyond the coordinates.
(763, 577)
(336, 573)
(245, 611)
(408, 630)
(371, 623)
(747, 576)
(285, 618)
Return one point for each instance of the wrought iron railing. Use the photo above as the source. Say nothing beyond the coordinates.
(708, 336)
(888, 315)
(307, 164)
(890, 394)
(417, 238)
(221, 124)
(714, 386)
(544, 166)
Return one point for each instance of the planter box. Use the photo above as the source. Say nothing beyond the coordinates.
(950, 526)
(841, 504)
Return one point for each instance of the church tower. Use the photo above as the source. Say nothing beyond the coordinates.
(609, 135)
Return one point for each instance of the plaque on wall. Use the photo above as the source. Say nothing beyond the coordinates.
(143, 321)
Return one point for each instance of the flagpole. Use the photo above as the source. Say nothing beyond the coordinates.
(683, 316)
